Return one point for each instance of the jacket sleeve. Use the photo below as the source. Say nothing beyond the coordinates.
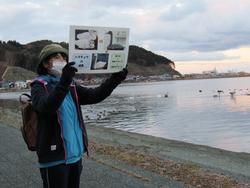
(45, 102)
(95, 95)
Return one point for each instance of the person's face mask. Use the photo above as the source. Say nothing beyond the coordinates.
(58, 65)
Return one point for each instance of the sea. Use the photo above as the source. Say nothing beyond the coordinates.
(212, 112)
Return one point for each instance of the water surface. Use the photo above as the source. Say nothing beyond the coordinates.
(190, 113)
(193, 111)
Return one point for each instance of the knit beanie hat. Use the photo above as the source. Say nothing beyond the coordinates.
(51, 49)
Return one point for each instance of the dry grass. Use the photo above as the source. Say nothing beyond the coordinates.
(148, 70)
(187, 173)
(10, 117)
(17, 73)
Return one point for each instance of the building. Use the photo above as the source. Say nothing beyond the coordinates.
(20, 85)
(211, 72)
(3, 69)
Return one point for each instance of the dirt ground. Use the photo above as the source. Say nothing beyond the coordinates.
(172, 163)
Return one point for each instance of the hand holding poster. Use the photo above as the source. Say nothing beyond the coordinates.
(98, 49)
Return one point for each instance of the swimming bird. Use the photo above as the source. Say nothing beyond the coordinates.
(219, 92)
(232, 93)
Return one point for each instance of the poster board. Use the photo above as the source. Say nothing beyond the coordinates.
(98, 49)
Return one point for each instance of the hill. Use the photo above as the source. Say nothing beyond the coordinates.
(144, 62)
(18, 73)
(140, 61)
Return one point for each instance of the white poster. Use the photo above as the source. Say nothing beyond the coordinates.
(98, 49)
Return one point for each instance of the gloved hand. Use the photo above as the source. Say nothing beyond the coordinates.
(68, 72)
(120, 75)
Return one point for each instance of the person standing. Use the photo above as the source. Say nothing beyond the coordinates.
(61, 135)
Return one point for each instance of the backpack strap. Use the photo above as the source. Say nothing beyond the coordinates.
(25, 97)
(22, 101)
(39, 79)
(44, 82)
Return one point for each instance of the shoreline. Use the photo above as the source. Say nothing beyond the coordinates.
(191, 164)
(6, 90)
(173, 149)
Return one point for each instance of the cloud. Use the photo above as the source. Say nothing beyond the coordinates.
(175, 26)
(205, 32)
(208, 28)
(181, 9)
(118, 3)
(199, 56)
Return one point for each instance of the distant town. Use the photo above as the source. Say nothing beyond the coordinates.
(204, 75)
(166, 77)
(215, 74)
(93, 80)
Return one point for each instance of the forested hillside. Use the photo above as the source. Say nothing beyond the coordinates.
(140, 61)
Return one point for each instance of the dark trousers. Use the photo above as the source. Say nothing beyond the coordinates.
(62, 176)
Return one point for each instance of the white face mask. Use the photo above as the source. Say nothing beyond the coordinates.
(58, 65)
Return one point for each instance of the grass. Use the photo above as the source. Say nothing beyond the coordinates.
(18, 73)
(11, 117)
(187, 173)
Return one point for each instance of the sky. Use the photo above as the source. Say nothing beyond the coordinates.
(198, 35)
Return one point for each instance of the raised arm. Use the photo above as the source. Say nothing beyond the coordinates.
(48, 100)
(95, 95)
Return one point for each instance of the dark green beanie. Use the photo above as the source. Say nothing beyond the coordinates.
(51, 49)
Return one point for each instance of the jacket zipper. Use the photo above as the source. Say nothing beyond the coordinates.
(59, 122)
(58, 119)
(81, 121)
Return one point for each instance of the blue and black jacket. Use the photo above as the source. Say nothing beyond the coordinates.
(49, 95)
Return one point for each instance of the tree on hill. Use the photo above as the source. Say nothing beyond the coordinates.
(26, 56)
(144, 57)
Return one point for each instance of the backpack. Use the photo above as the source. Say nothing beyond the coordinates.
(29, 117)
